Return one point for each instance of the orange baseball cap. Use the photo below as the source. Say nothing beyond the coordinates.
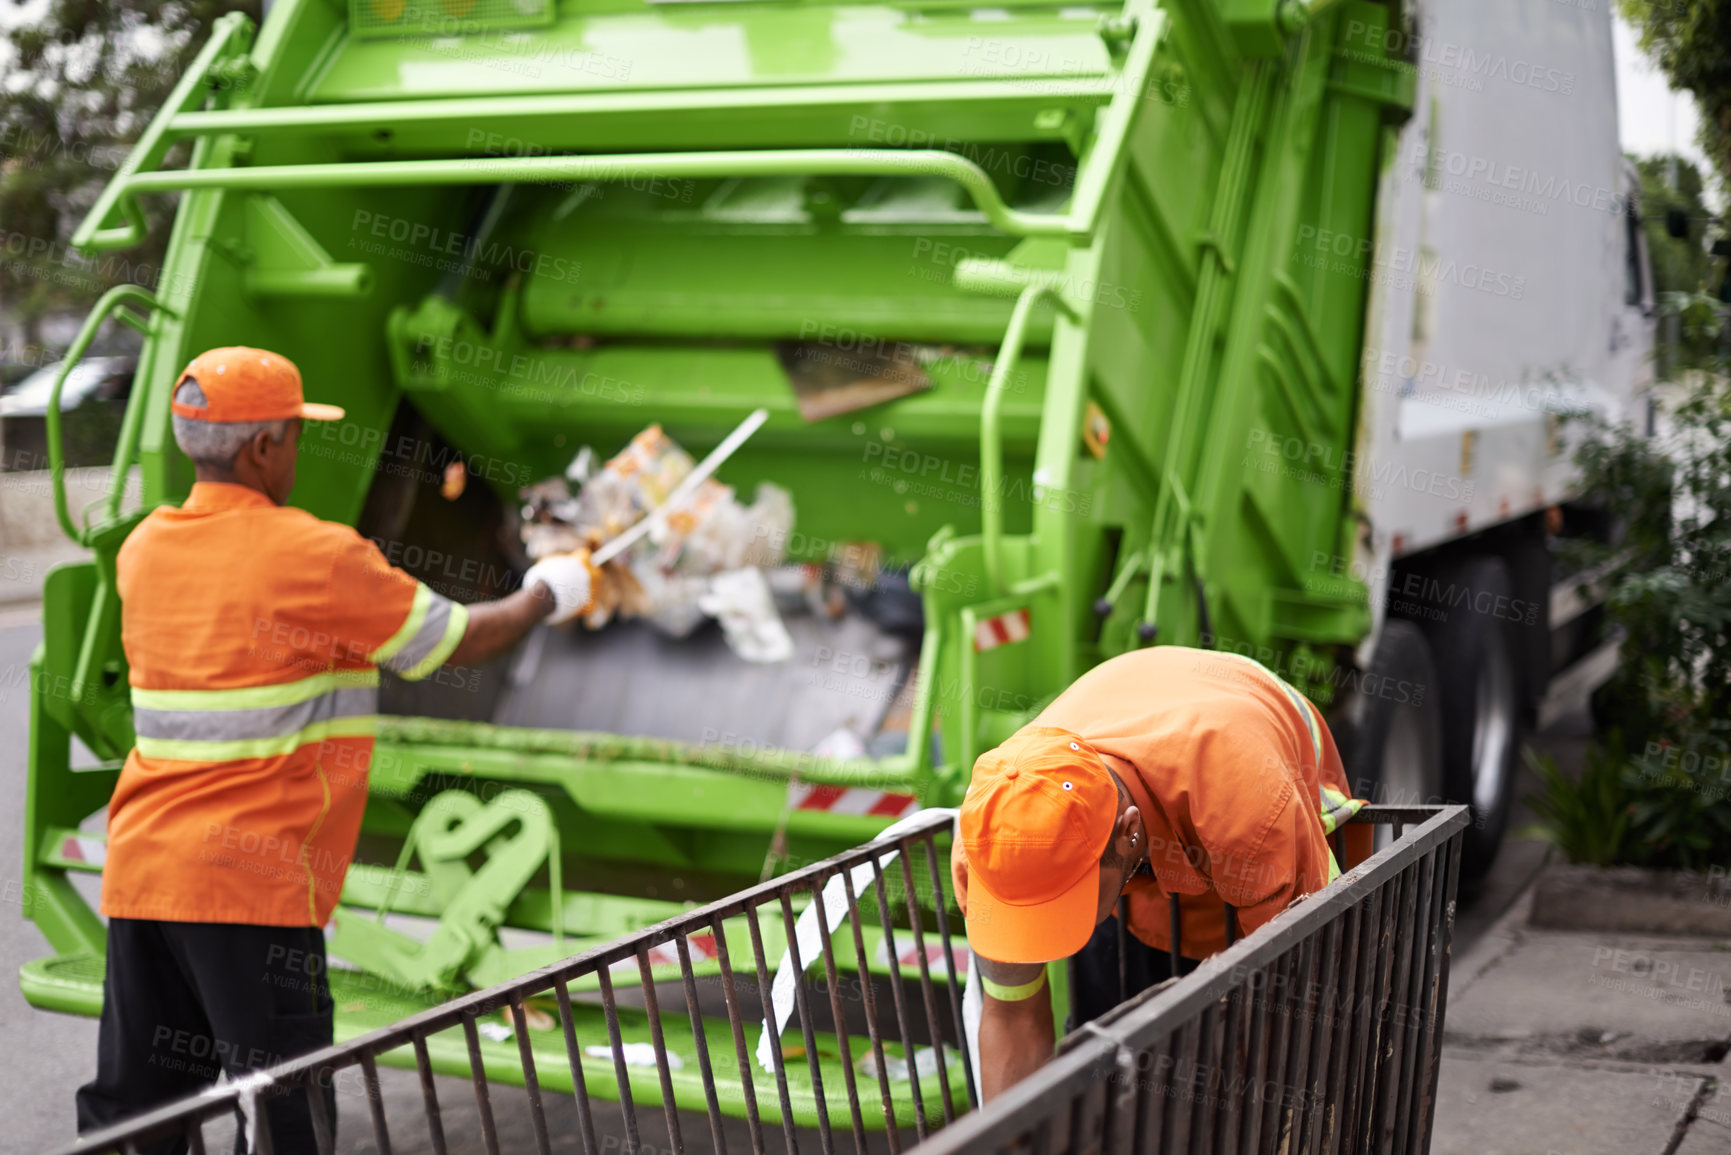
(1034, 824)
(242, 384)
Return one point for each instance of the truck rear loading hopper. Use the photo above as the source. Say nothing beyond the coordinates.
(531, 234)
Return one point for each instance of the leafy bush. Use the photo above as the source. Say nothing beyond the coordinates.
(1633, 811)
(1664, 761)
(1588, 819)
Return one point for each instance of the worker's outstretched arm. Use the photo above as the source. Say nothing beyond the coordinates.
(495, 627)
(1016, 1032)
(558, 588)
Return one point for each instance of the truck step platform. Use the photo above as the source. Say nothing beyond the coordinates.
(364, 1003)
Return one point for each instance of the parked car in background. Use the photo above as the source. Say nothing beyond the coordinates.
(91, 407)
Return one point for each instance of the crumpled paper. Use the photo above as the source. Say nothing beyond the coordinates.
(704, 559)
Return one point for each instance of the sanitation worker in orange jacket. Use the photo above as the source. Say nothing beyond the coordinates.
(1166, 771)
(255, 633)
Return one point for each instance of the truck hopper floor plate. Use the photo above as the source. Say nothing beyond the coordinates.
(624, 680)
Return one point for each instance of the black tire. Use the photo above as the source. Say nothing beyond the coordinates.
(1391, 733)
(1529, 563)
(1474, 636)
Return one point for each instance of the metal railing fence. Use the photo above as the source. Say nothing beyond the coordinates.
(596, 1001)
(1320, 1032)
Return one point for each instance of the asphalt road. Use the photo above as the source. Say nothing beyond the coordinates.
(43, 1057)
(46, 1056)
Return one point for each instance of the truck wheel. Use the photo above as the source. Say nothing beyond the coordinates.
(1480, 684)
(1392, 743)
(1529, 563)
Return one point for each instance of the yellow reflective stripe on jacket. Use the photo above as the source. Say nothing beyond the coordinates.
(254, 721)
(428, 636)
(411, 626)
(456, 624)
(254, 697)
(1337, 808)
(267, 721)
(192, 750)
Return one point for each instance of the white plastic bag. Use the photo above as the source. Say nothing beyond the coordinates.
(741, 601)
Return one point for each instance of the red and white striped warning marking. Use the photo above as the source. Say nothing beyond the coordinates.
(850, 800)
(666, 954)
(1003, 630)
(91, 850)
(908, 955)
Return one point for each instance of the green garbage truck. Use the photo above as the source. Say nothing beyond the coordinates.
(1248, 324)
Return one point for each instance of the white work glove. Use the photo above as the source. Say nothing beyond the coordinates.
(569, 578)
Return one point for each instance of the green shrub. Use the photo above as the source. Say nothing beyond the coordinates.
(1587, 819)
(1625, 811)
(1654, 791)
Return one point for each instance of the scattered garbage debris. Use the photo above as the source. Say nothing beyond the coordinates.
(828, 382)
(689, 486)
(847, 579)
(841, 743)
(537, 1018)
(455, 481)
(925, 1062)
(740, 600)
(703, 559)
(534, 1017)
(635, 1055)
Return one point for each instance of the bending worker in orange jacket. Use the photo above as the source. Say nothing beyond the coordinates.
(1166, 771)
(255, 633)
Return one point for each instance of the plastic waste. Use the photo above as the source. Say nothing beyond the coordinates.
(704, 560)
(741, 601)
(925, 1062)
(636, 1055)
(841, 743)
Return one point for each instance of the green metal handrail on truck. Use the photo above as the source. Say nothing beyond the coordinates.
(470, 212)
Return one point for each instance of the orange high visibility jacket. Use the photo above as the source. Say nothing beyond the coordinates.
(1237, 779)
(255, 633)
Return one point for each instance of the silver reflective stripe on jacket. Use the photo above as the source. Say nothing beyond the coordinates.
(254, 721)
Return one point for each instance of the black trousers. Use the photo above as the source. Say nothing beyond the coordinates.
(1094, 976)
(185, 1001)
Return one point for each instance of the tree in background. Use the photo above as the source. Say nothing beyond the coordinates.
(1658, 777)
(77, 88)
(1691, 41)
(1656, 790)
(1680, 265)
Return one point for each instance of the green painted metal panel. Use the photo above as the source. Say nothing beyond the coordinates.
(693, 46)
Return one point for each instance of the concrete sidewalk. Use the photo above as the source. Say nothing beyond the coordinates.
(1567, 1042)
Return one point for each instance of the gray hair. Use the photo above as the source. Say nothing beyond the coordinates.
(217, 443)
